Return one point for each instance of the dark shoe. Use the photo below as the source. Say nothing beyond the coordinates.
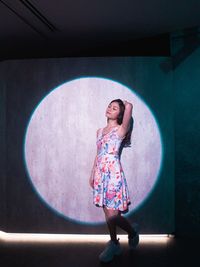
(110, 251)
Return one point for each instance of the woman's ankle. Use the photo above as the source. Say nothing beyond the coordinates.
(132, 234)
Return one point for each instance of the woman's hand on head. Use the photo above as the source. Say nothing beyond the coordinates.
(126, 103)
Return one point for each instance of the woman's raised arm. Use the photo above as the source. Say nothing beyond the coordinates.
(126, 119)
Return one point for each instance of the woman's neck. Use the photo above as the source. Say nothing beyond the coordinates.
(111, 123)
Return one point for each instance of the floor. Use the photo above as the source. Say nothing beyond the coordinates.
(176, 252)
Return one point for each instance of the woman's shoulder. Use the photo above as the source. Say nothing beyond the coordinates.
(98, 131)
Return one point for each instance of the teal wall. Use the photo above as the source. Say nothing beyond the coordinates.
(186, 83)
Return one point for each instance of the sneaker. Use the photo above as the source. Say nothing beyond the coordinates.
(133, 242)
(110, 251)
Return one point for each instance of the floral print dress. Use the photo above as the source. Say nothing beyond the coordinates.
(110, 186)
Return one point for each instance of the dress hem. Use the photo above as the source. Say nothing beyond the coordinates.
(122, 211)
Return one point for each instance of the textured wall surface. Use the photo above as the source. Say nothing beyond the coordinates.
(60, 146)
(29, 81)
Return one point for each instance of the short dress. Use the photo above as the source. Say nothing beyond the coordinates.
(110, 186)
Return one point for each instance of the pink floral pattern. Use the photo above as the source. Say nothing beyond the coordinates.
(110, 186)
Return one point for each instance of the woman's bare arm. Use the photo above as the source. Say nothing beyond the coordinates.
(123, 129)
(91, 180)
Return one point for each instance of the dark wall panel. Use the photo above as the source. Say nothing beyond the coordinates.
(186, 77)
(3, 150)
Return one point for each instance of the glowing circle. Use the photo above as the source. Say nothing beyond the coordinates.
(60, 146)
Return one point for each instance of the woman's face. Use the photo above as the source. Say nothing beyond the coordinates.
(113, 110)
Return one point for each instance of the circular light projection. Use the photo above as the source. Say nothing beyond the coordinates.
(60, 146)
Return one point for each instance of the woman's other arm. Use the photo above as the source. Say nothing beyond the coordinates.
(91, 180)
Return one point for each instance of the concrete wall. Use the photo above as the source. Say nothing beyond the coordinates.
(28, 82)
(186, 84)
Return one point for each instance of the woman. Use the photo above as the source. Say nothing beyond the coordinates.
(107, 178)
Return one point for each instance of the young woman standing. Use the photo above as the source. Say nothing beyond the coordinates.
(110, 190)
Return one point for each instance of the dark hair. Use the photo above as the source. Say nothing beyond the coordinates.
(127, 140)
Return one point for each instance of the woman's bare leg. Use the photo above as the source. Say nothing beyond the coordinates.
(113, 219)
(124, 224)
(110, 216)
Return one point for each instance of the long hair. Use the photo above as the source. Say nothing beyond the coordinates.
(127, 139)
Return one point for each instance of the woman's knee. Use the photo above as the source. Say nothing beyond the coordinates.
(110, 214)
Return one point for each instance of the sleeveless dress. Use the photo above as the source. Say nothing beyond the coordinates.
(110, 186)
